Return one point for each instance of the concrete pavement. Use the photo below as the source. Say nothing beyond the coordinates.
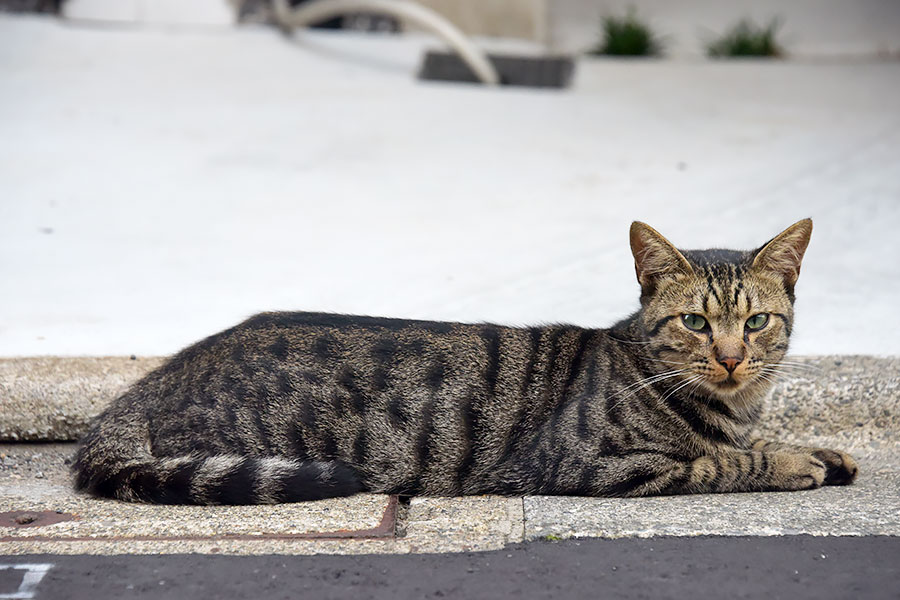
(157, 186)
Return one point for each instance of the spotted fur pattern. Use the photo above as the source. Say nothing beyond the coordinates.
(300, 406)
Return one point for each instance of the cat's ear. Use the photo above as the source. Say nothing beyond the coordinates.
(782, 255)
(654, 256)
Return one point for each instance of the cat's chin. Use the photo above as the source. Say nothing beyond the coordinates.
(726, 388)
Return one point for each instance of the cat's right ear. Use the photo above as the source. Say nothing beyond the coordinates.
(655, 257)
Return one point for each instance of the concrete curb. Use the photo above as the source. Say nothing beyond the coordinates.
(853, 399)
(51, 398)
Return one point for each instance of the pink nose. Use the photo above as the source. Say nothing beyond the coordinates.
(730, 362)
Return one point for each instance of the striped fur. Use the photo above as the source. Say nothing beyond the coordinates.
(299, 406)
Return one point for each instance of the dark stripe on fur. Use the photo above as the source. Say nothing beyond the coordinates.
(491, 337)
(424, 439)
(472, 419)
(238, 485)
(685, 409)
(659, 324)
(577, 360)
(308, 482)
(785, 320)
(349, 380)
(522, 420)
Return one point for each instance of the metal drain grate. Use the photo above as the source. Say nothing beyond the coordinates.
(542, 72)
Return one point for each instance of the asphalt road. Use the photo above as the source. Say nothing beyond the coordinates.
(794, 568)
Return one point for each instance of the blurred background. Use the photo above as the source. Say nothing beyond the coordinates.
(168, 168)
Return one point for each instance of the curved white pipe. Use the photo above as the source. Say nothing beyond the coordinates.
(320, 10)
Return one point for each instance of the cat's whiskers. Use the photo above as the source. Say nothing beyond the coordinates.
(796, 365)
(674, 389)
(669, 362)
(768, 378)
(774, 376)
(782, 372)
(636, 387)
(652, 378)
(634, 342)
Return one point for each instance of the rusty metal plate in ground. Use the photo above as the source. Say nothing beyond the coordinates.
(27, 518)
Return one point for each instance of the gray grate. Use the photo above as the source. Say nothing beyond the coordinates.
(550, 72)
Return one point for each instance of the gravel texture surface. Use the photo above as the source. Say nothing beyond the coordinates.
(53, 399)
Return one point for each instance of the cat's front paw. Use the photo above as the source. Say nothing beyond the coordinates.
(840, 468)
(796, 471)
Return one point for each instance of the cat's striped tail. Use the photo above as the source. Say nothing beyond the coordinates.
(223, 479)
(122, 467)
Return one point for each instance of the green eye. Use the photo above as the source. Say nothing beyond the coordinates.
(757, 321)
(694, 322)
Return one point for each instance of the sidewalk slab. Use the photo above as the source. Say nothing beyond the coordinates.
(464, 524)
(35, 484)
(871, 506)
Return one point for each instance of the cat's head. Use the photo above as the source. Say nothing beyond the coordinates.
(724, 316)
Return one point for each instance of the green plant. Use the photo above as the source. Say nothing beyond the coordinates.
(747, 39)
(628, 36)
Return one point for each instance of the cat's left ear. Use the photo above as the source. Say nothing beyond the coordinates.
(782, 255)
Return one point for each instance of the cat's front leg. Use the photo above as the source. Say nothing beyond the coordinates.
(754, 471)
(728, 470)
(840, 468)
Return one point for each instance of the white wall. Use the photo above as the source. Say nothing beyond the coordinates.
(157, 12)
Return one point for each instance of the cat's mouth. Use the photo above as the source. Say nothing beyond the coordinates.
(729, 385)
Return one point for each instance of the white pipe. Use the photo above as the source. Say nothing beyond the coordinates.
(320, 10)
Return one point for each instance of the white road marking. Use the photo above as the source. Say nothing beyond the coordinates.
(34, 573)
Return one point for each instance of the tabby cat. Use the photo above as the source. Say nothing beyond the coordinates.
(300, 406)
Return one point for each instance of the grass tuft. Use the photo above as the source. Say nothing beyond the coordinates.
(628, 36)
(747, 39)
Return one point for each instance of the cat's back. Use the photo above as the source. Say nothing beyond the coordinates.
(385, 395)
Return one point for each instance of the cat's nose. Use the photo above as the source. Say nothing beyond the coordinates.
(729, 362)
